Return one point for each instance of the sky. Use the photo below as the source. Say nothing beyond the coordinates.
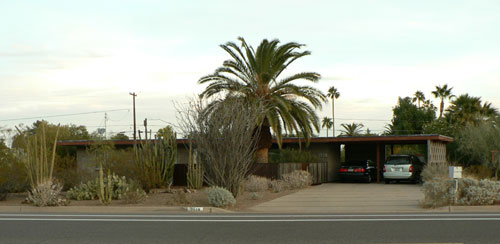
(81, 59)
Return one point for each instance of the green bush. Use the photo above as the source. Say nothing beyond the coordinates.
(13, 177)
(256, 183)
(297, 179)
(220, 197)
(89, 190)
(291, 156)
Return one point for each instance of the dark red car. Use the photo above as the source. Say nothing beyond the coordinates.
(362, 170)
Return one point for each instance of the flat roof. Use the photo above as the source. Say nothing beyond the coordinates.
(400, 139)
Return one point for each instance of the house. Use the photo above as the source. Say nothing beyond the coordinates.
(328, 150)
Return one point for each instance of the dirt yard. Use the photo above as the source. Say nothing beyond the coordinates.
(177, 196)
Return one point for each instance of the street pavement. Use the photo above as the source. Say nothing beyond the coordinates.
(251, 228)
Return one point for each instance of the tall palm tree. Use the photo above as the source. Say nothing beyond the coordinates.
(443, 93)
(254, 74)
(327, 123)
(353, 129)
(418, 97)
(333, 94)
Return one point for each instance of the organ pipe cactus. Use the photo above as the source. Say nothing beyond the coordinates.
(156, 160)
(195, 171)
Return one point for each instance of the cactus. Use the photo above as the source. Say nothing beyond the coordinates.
(106, 188)
(156, 160)
(195, 171)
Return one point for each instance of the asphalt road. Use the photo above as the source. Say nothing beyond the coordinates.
(199, 228)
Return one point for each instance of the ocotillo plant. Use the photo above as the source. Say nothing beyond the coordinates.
(195, 171)
(36, 159)
(156, 160)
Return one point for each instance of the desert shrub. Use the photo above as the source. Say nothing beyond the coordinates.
(474, 192)
(46, 194)
(434, 172)
(277, 186)
(438, 193)
(256, 183)
(220, 197)
(13, 176)
(3, 191)
(224, 133)
(478, 172)
(135, 196)
(88, 191)
(297, 179)
(292, 156)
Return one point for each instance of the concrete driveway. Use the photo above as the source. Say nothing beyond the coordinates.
(347, 198)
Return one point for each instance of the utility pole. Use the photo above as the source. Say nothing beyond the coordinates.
(146, 129)
(135, 130)
(105, 126)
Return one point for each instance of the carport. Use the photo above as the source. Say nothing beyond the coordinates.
(373, 148)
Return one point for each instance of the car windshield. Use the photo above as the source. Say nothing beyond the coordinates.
(354, 163)
(398, 160)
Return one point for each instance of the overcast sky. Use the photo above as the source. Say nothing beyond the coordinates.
(71, 57)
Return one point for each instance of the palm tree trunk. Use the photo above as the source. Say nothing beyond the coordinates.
(265, 141)
(441, 108)
(326, 131)
(333, 117)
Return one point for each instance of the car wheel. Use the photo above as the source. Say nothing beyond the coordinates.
(387, 181)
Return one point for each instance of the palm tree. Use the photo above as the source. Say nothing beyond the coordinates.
(255, 75)
(443, 93)
(353, 129)
(327, 123)
(333, 94)
(467, 109)
(418, 97)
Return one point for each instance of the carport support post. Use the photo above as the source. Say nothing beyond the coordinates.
(378, 162)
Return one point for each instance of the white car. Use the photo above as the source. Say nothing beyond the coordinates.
(402, 167)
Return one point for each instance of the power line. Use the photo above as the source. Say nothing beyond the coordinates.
(64, 115)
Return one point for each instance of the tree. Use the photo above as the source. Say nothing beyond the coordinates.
(120, 136)
(224, 139)
(333, 94)
(327, 123)
(467, 109)
(418, 97)
(476, 142)
(165, 131)
(353, 129)
(254, 74)
(410, 119)
(442, 92)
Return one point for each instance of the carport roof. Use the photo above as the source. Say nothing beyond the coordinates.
(402, 139)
